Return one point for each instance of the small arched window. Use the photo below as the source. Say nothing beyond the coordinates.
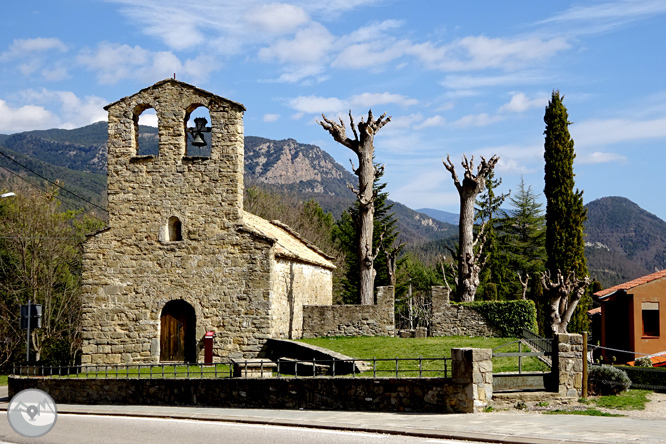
(175, 229)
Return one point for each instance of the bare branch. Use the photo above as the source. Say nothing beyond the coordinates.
(337, 130)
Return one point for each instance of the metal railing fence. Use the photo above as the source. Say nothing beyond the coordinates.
(282, 368)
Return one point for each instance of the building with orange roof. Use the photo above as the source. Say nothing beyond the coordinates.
(633, 317)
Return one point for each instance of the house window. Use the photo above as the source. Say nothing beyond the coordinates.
(650, 318)
(175, 229)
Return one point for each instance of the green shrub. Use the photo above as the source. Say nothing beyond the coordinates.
(607, 380)
(507, 318)
(643, 362)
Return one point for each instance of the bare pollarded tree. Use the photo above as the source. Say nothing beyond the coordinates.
(565, 292)
(469, 261)
(363, 145)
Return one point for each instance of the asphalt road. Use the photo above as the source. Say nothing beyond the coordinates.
(71, 429)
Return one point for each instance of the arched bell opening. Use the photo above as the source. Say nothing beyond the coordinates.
(146, 136)
(178, 332)
(198, 131)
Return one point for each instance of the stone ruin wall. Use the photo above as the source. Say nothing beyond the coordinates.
(352, 320)
(455, 320)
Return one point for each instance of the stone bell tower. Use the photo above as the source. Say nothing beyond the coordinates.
(204, 194)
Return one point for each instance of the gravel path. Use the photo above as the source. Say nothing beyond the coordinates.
(655, 409)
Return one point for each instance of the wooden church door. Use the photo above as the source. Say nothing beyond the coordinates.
(178, 325)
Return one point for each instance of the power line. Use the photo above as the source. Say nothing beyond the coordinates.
(41, 188)
(52, 183)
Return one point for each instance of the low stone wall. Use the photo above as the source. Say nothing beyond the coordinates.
(455, 320)
(352, 320)
(468, 390)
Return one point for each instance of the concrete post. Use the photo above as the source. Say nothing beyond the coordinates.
(568, 364)
(473, 368)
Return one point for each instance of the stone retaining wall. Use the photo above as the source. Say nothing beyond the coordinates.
(455, 320)
(467, 391)
(352, 320)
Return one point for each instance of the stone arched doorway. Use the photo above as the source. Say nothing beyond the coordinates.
(177, 338)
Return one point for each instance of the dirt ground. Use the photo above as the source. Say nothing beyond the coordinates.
(656, 408)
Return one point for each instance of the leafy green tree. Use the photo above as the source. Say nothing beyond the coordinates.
(565, 215)
(40, 261)
(413, 305)
(525, 235)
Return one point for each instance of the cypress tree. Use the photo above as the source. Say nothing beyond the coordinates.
(565, 212)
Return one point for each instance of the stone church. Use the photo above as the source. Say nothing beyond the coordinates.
(180, 257)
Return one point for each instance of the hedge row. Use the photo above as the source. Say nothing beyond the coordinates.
(647, 378)
(508, 318)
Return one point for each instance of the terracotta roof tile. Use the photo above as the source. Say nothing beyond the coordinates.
(631, 284)
(288, 243)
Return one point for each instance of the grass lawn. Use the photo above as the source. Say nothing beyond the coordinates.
(587, 412)
(367, 348)
(3, 380)
(629, 400)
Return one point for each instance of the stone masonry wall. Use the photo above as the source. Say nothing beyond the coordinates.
(568, 363)
(352, 320)
(295, 285)
(455, 320)
(467, 391)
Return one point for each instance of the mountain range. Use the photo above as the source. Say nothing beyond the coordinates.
(623, 241)
(77, 158)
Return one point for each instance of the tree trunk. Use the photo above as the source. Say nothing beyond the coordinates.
(564, 296)
(469, 262)
(363, 146)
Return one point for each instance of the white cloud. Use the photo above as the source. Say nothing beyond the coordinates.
(317, 105)
(114, 62)
(276, 18)
(480, 52)
(520, 103)
(599, 157)
(603, 16)
(431, 122)
(25, 118)
(72, 111)
(605, 132)
(482, 119)
(372, 99)
(309, 45)
(22, 48)
(470, 82)
(271, 117)
(58, 72)
(366, 55)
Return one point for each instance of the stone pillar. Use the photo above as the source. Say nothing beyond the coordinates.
(386, 308)
(473, 369)
(568, 364)
(440, 303)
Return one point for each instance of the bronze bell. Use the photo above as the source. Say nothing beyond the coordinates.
(198, 140)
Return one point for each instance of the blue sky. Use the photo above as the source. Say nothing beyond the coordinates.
(456, 77)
